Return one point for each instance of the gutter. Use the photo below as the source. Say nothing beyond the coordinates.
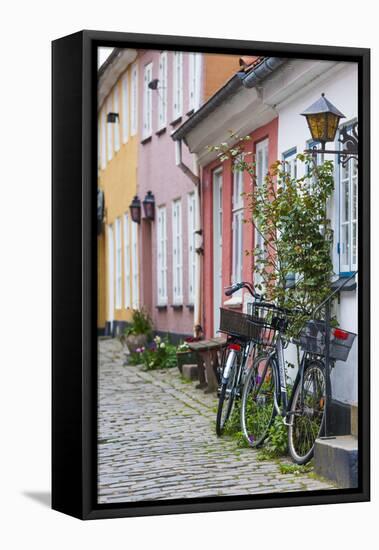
(239, 80)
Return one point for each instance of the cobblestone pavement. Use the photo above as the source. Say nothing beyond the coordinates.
(157, 440)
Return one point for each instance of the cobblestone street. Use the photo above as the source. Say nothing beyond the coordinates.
(157, 440)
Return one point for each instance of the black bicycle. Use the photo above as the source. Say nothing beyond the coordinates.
(265, 393)
(235, 356)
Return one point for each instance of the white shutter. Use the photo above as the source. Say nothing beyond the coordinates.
(118, 263)
(194, 80)
(103, 139)
(135, 269)
(109, 130)
(134, 101)
(191, 248)
(126, 262)
(116, 124)
(178, 85)
(162, 91)
(147, 101)
(177, 252)
(162, 256)
(125, 109)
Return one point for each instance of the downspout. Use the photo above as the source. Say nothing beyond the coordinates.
(194, 177)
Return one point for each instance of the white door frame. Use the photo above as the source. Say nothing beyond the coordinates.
(110, 276)
(217, 247)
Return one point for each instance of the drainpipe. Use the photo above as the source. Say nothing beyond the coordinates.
(194, 177)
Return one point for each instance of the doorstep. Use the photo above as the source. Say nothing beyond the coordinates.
(337, 459)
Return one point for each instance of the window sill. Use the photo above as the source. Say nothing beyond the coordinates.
(190, 112)
(190, 307)
(234, 301)
(160, 131)
(349, 287)
(146, 140)
(176, 306)
(161, 307)
(176, 121)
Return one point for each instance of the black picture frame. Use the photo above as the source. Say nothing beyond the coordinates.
(74, 333)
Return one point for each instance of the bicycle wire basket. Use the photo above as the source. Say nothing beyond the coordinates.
(312, 340)
(259, 325)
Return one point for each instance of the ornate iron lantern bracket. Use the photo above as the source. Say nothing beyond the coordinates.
(350, 144)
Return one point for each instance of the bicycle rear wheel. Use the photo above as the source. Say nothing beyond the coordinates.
(306, 419)
(258, 400)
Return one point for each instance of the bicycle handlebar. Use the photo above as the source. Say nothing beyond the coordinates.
(237, 286)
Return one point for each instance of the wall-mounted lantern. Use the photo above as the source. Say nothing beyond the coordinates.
(100, 211)
(323, 119)
(135, 209)
(149, 206)
(112, 118)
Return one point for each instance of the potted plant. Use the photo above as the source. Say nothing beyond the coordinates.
(184, 356)
(139, 332)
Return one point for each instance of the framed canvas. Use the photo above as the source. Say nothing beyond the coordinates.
(211, 275)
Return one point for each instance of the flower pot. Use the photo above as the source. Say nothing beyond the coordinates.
(185, 358)
(135, 341)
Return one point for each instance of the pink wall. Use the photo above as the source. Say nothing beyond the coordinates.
(158, 173)
(269, 131)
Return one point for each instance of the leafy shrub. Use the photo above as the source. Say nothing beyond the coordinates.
(160, 354)
(141, 323)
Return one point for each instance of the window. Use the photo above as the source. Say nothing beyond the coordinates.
(109, 129)
(237, 227)
(178, 85)
(103, 139)
(162, 256)
(177, 252)
(194, 80)
(118, 263)
(116, 124)
(290, 166)
(134, 101)
(191, 247)
(261, 159)
(162, 91)
(98, 143)
(125, 108)
(147, 100)
(126, 262)
(348, 250)
(135, 270)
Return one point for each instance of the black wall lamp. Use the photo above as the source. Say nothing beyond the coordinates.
(149, 206)
(323, 119)
(135, 209)
(112, 118)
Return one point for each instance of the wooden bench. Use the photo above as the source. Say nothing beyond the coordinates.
(207, 353)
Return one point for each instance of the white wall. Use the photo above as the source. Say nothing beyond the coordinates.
(340, 85)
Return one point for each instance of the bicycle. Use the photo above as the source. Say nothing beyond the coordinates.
(264, 393)
(234, 357)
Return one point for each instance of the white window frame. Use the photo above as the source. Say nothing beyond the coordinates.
(261, 148)
(125, 108)
(103, 139)
(191, 222)
(118, 263)
(177, 95)
(348, 216)
(177, 253)
(195, 66)
(290, 162)
(162, 91)
(237, 227)
(109, 109)
(134, 100)
(116, 124)
(127, 297)
(147, 127)
(135, 266)
(162, 297)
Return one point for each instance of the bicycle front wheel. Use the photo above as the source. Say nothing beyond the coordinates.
(306, 418)
(227, 390)
(258, 400)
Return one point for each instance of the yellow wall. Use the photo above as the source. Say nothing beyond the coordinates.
(118, 180)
